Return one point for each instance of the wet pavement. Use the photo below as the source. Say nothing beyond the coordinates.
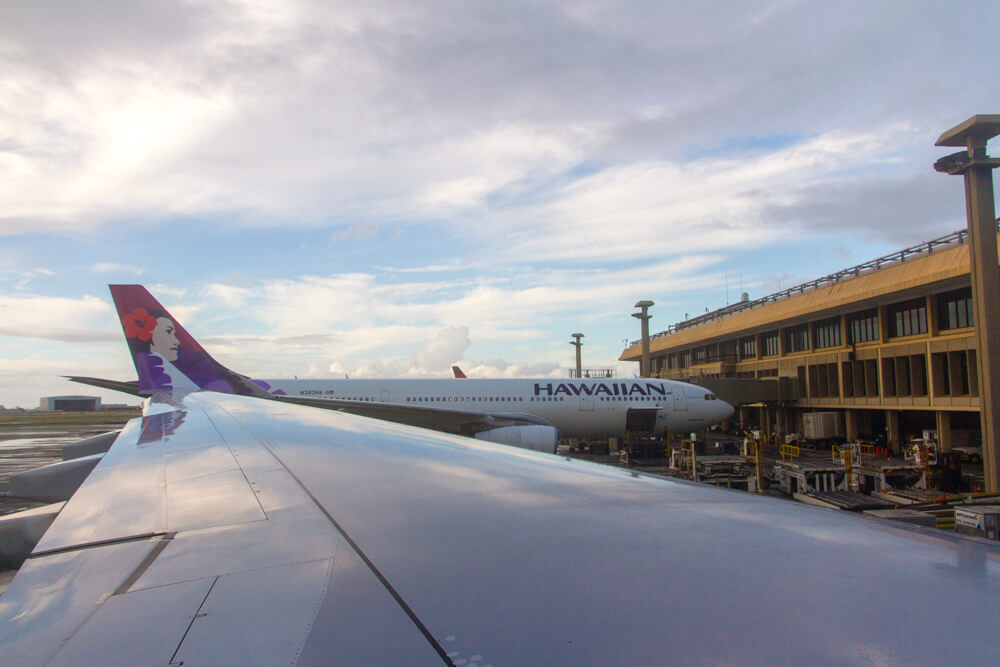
(32, 446)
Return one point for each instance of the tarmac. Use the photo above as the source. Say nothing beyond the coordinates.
(31, 440)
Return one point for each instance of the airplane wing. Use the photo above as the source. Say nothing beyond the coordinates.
(458, 422)
(124, 386)
(438, 419)
(224, 529)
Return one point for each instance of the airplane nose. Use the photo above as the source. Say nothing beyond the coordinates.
(725, 410)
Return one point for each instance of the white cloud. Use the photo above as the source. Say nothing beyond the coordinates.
(112, 267)
(472, 121)
(663, 208)
(366, 231)
(365, 324)
(445, 349)
(43, 313)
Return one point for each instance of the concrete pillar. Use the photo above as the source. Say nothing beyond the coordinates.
(977, 166)
(644, 316)
(851, 425)
(943, 419)
(892, 431)
(579, 363)
(783, 423)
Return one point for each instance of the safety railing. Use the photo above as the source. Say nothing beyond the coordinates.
(859, 452)
(789, 451)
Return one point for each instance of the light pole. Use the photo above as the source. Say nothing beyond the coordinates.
(643, 316)
(578, 345)
(977, 167)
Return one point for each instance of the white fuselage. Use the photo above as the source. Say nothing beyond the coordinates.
(585, 408)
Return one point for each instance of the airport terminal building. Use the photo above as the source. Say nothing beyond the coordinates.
(890, 344)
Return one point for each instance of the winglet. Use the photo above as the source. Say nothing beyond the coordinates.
(166, 357)
(458, 372)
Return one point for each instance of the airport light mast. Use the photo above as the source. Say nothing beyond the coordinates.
(643, 317)
(578, 345)
(977, 167)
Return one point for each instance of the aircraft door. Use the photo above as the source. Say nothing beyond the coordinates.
(641, 420)
(680, 401)
(385, 397)
(586, 403)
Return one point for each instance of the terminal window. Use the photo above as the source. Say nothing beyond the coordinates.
(908, 318)
(863, 326)
(770, 340)
(955, 309)
(797, 338)
(826, 333)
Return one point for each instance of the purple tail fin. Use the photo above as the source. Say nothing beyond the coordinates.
(167, 358)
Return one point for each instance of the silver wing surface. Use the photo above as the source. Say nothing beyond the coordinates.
(233, 530)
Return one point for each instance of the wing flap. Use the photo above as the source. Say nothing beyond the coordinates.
(167, 471)
(52, 597)
(291, 594)
(168, 612)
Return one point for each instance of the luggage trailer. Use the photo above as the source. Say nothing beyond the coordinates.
(800, 477)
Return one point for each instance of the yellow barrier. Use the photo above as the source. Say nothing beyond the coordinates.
(944, 519)
(862, 451)
(791, 451)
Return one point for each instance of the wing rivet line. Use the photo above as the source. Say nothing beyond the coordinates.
(431, 639)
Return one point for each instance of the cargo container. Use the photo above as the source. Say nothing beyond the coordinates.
(978, 520)
(823, 425)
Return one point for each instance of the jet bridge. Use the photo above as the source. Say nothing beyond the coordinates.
(745, 391)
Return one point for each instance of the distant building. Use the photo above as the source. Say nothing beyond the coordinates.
(889, 344)
(119, 406)
(71, 403)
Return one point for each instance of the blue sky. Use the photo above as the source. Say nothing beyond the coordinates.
(381, 189)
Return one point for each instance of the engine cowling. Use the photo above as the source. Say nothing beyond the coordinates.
(537, 437)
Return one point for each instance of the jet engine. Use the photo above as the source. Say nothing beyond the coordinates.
(536, 437)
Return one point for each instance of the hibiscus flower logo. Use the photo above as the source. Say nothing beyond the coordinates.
(139, 324)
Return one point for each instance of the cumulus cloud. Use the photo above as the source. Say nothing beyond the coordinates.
(446, 348)
(375, 325)
(391, 112)
(436, 358)
(28, 313)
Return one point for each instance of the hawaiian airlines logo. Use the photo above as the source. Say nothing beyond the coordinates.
(154, 346)
(600, 389)
(139, 324)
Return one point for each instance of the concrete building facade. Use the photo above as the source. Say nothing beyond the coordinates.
(889, 343)
(70, 403)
